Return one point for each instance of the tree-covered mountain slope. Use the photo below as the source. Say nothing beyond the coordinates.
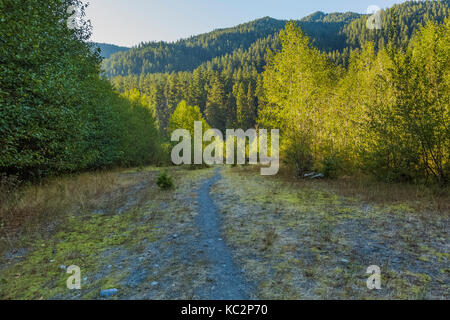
(188, 54)
(405, 19)
(107, 50)
(335, 33)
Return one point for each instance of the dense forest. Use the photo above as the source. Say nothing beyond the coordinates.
(368, 84)
(188, 54)
(347, 98)
(57, 114)
(335, 33)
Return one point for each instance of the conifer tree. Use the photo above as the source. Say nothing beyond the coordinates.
(215, 105)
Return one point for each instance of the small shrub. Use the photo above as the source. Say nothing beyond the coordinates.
(297, 153)
(165, 181)
(332, 166)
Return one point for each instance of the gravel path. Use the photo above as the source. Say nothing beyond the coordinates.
(228, 282)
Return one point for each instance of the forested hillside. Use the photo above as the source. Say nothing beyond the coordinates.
(57, 114)
(233, 90)
(334, 33)
(404, 18)
(106, 50)
(188, 54)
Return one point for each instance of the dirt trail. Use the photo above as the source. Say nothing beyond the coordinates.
(229, 283)
(231, 234)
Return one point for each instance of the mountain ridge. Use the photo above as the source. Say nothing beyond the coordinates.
(189, 53)
(334, 33)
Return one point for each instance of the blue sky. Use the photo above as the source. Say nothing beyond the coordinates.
(128, 22)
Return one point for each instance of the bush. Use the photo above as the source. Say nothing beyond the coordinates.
(332, 166)
(297, 153)
(165, 181)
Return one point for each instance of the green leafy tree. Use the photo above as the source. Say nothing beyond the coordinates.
(57, 114)
(296, 82)
(184, 117)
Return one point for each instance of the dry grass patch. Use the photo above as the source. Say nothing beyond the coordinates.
(420, 198)
(30, 209)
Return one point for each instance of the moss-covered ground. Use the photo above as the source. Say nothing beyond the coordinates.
(125, 242)
(292, 240)
(302, 241)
